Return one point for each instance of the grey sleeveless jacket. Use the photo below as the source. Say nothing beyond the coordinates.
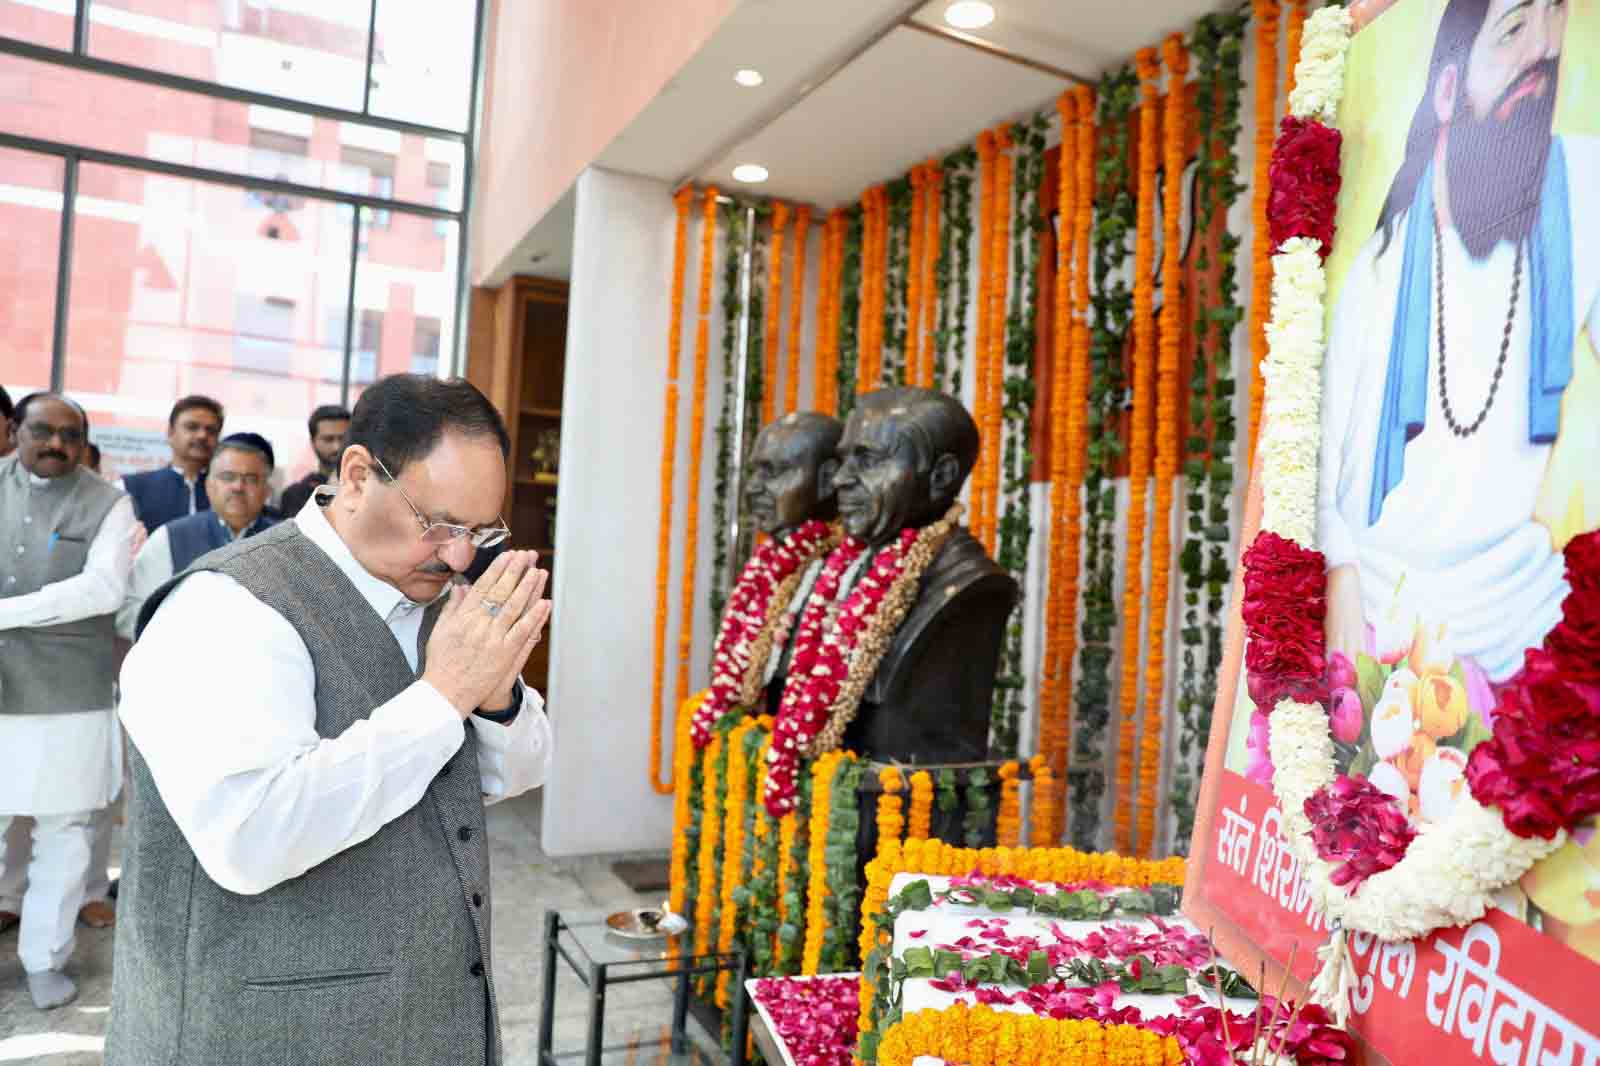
(378, 956)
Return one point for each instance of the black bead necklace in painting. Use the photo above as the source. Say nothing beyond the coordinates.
(1505, 337)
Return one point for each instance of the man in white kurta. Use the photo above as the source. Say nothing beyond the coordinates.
(57, 764)
(1438, 431)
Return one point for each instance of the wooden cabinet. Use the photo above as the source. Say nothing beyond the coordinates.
(517, 356)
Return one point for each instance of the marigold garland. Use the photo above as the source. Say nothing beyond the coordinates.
(1144, 345)
(1265, 13)
(982, 1036)
(933, 183)
(733, 857)
(994, 400)
(822, 773)
(710, 838)
(825, 391)
(891, 805)
(919, 823)
(872, 278)
(1168, 418)
(1008, 819)
(978, 490)
(880, 872)
(788, 828)
(769, 391)
(914, 281)
(797, 292)
(684, 756)
(669, 454)
(1295, 24)
(1061, 865)
(1045, 809)
(1054, 710)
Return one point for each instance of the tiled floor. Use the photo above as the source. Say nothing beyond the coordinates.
(526, 882)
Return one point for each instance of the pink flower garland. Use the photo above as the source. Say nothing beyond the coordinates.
(1359, 826)
(746, 614)
(1285, 600)
(822, 657)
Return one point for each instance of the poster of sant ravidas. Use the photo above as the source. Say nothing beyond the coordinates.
(1460, 452)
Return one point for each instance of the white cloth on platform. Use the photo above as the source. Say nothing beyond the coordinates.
(217, 671)
(56, 875)
(1456, 541)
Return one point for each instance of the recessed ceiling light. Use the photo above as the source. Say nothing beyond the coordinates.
(969, 14)
(750, 173)
(748, 78)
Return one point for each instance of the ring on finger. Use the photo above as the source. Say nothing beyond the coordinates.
(493, 607)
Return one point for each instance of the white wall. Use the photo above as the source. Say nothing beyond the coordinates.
(599, 796)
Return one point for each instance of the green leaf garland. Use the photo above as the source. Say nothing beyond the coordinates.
(734, 237)
(1113, 312)
(849, 313)
(953, 268)
(1218, 48)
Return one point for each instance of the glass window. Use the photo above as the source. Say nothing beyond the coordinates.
(422, 67)
(405, 298)
(313, 50)
(46, 22)
(30, 233)
(425, 346)
(180, 286)
(113, 114)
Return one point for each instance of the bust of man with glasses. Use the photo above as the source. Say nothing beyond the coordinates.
(238, 490)
(318, 715)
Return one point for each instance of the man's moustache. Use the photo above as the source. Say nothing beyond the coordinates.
(439, 569)
(1545, 68)
(54, 455)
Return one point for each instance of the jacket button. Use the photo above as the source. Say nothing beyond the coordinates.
(477, 899)
(464, 834)
(477, 969)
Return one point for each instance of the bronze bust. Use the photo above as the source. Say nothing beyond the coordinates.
(903, 460)
(789, 478)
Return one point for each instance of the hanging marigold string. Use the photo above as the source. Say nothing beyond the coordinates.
(987, 152)
(733, 857)
(797, 292)
(1053, 709)
(870, 321)
(891, 805)
(933, 184)
(683, 760)
(697, 428)
(1144, 357)
(1265, 15)
(705, 900)
(1294, 30)
(773, 337)
(919, 205)
(826, 365)
(919, 823)
(994, 402)
(822, 774)
(1044, 813)
(1008, 817)
(669, 455)
(1167, 426)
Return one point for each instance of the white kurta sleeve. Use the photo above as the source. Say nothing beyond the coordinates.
(514, 757)
(218, 697)
(95, 590)
(151, 569)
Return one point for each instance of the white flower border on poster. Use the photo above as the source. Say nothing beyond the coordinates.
(1453, 869)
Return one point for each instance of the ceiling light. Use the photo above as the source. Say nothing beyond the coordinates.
(748, 78)
(750, 173)
(969, 14)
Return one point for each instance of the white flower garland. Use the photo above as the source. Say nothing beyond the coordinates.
(1453, 869)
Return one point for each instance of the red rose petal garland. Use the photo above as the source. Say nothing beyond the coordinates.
(1305, 180)
(750, 614)
(1359, 826)
(1285, 601)
(1542, 767)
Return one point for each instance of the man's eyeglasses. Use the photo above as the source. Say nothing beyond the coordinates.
(43, 431)
(230, 477)
(446, 532)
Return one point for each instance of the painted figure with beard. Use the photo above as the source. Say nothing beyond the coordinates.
(904, 457)
(1446, 488)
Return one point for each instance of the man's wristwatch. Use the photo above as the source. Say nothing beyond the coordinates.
(505, 715)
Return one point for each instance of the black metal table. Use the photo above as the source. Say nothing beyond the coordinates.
(601, 958)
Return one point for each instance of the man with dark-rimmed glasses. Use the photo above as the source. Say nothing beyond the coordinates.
(311, 844)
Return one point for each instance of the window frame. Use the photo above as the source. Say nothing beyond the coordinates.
(382, 207)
